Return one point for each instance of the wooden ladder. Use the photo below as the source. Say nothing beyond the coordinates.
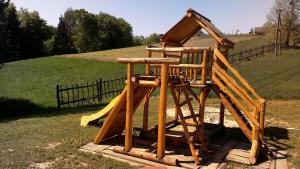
(176, 90)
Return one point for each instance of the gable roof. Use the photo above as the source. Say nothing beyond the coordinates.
(188, 26)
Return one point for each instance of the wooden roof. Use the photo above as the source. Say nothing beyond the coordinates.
(188, 26)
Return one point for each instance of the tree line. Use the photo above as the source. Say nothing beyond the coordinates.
(290, 25)
(24, 34)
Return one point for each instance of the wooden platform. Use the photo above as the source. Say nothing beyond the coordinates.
(221, 152)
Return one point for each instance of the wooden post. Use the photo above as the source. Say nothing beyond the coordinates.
(162, 112)
(146, 99)
(129, 108)
(278, 34)
(262, 118)
(100, 89)
(57, 97)
(222, 107)
(204, 67)
(255, 140)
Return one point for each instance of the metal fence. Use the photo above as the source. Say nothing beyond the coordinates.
(88, 93)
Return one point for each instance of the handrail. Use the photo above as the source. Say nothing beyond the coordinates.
(236, 101)
(177, 49)
(149, 60)
(181, 65)
(235, 86)
(218, 54)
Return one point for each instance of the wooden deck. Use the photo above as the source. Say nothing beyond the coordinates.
(221, 152)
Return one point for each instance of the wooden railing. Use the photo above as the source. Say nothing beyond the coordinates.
(240, 98)
(193, 62)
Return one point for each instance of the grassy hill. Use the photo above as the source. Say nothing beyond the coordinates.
(30, 84)
(242, 42)
(28, 87)
(274, 77)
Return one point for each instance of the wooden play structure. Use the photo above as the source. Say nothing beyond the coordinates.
(190, 73)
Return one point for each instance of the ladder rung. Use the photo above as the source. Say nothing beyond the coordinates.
(185, 102)
(190, 123)
(182, 85)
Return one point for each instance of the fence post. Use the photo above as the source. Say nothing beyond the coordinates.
(57, 97)
(100, 89)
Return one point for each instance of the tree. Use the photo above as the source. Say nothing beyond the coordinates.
(138, 40)
(62, 40)
(34, 32)
(290, 17)
(9, 32)
(86, 32)
(151, 39)
(114, 32)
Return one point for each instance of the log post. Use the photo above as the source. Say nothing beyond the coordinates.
(262, 118)
(162, 112)
(146, 99)
(255, 140)
(204, 67)
(222, 107)
(129, 108)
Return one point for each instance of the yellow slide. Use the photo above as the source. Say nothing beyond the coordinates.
(85, 120)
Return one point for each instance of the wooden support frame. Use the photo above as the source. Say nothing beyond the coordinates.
(161, 140)
(129, 108)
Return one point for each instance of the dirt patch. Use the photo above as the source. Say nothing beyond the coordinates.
(43, 165)
(52, 145)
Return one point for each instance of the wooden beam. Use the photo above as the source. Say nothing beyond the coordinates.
(149, 60)
(178, 49)
(162, 112)
(129, 108)
(180, 65)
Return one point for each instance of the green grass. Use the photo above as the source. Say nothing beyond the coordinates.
(28, 88)
(31, 83)
(25, 142)
(207, 41)
(139, 51)
(274, 77)
(246, 44)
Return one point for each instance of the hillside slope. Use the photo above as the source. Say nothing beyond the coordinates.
(139, 51)
(30, 84)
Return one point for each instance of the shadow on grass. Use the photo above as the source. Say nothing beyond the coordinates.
(14, 109)
(274, 136)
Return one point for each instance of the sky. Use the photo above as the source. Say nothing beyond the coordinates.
(159, 16)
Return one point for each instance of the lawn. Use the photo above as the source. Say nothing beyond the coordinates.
(31, 83)
(139, 51)
(44, 135)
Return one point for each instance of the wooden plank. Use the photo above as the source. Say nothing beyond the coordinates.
(130, 159)
(237, 158)
(281, 161)
(218, 157)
